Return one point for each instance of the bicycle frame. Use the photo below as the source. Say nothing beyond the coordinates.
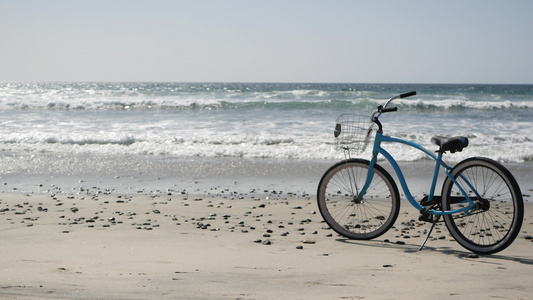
(377, 149)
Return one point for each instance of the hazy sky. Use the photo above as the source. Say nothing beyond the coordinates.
(267, 41)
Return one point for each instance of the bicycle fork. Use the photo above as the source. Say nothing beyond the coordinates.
(369, 177)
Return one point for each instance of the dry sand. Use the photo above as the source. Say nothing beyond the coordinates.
(120, 237)
(219, 244)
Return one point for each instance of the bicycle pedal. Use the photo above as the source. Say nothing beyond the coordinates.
(425, 201)
(426, 218)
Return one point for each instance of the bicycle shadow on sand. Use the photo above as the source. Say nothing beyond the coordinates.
(415, 248)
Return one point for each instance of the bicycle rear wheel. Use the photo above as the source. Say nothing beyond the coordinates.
(358, 219)
(496, 220)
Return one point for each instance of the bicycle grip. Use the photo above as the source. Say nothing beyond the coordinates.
(407, 94)
(386, 110)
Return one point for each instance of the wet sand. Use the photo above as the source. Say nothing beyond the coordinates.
(261, 237)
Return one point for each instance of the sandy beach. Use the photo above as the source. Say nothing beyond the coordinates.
(173, 150)
(230, 237)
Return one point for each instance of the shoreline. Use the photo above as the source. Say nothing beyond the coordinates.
(203, 176)
(131, 173)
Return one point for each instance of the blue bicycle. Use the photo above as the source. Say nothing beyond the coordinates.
(480, 202)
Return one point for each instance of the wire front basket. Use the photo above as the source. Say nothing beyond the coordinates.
(353, 133)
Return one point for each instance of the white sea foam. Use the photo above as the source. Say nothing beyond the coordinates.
(292, 121)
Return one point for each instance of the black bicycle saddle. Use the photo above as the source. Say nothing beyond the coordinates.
(452, 144)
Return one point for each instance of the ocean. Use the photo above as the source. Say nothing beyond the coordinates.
(95, 123)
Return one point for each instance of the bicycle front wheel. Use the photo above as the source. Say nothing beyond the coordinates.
(493, 224)
(362, 219)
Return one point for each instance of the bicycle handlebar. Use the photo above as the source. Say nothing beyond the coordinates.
(407, 94)
(384, 109)
(401, 96)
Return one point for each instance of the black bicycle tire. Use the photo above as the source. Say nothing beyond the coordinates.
(340, 228)
(473, 242)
